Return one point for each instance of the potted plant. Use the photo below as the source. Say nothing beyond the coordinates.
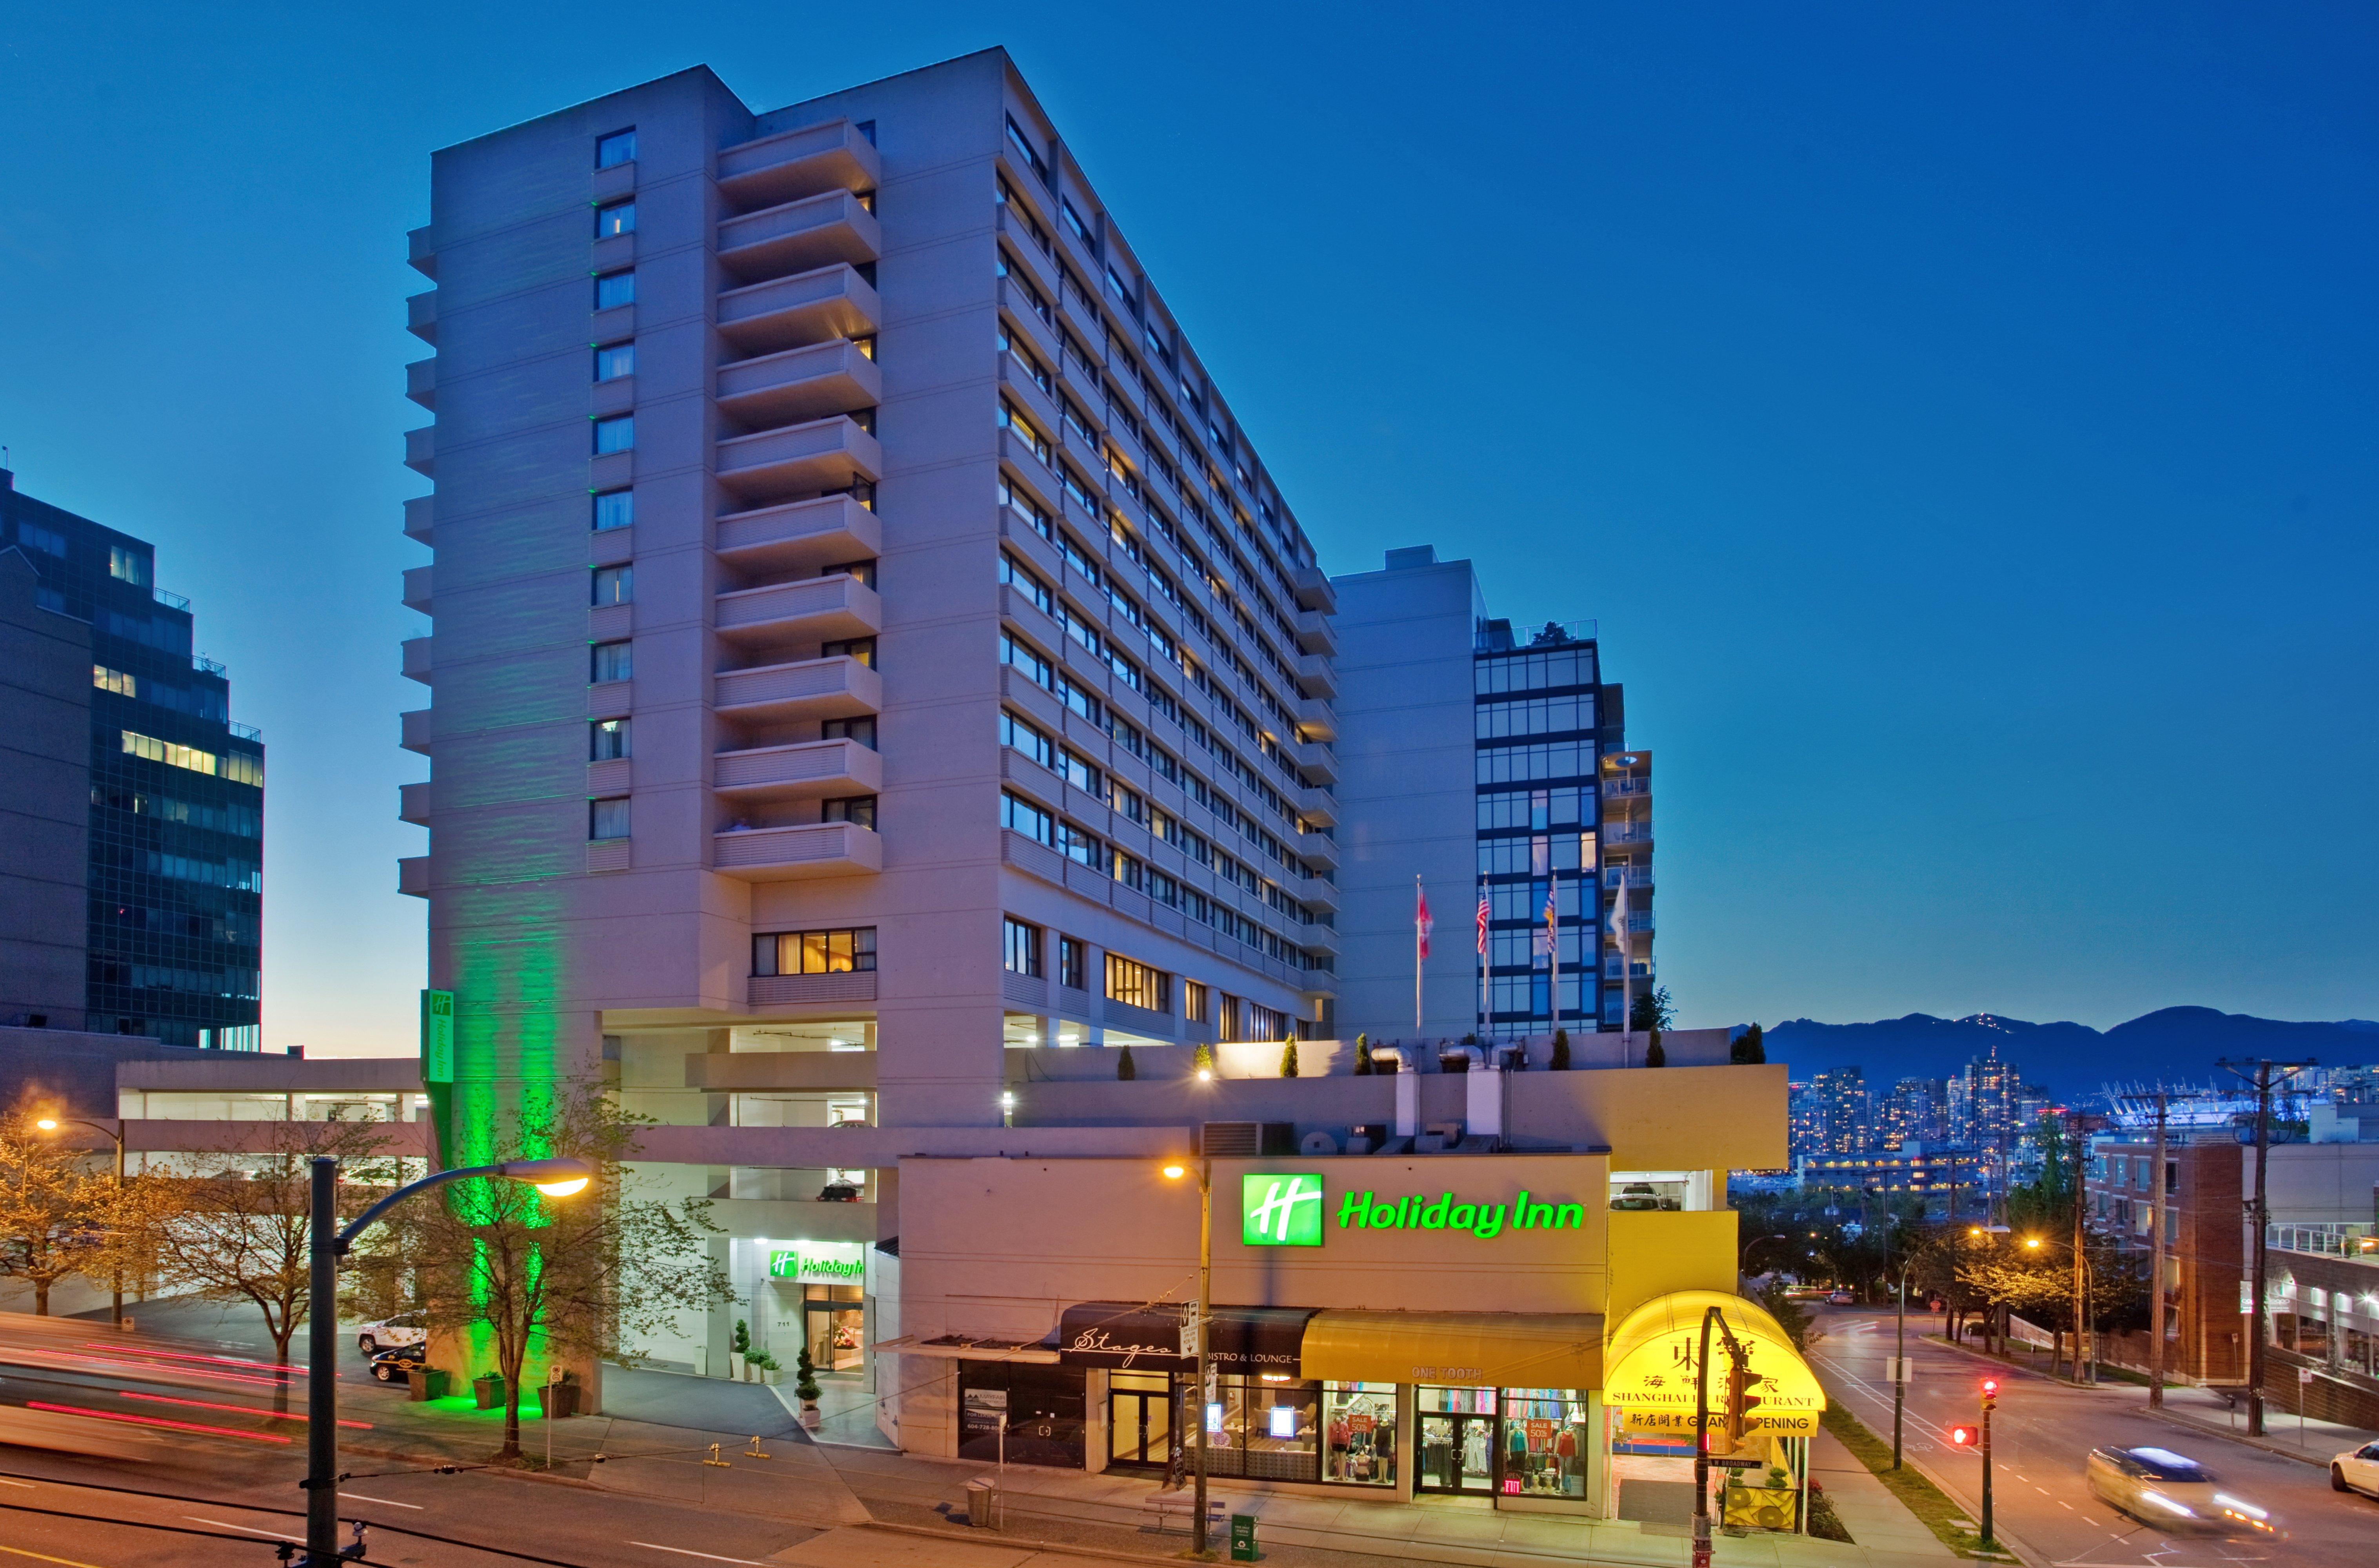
(806, 1387)
(561, 1399)
(739, 1352)
(488, 1390)
(764, 1366)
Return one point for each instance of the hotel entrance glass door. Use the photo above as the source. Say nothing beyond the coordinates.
(1459, 1436)
(1139, 1421)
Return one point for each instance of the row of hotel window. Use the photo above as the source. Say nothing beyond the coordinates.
(1104, 590)
(1024, 950)
(201, 701)
(243, 821)
(607, 815)
(240, 767)
(1205, 410)
(1077, 843)
(1103, 787)
(1080, 491)
(1044, 671)
(1535, 673)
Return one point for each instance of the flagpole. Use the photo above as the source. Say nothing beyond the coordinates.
(1553, 938)
(1419, 937)
(1485, 1011)
(1619, 934)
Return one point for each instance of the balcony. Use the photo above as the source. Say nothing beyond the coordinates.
(725, 1072)
(812, 769)
(1637, 969)
(826, 454)
(816, 610)
(417, 589)
(1317, 804)
(1627, 787)
(1317, 718)
(798, 235)
(787, 854)
(1313, 589)
(798, 536)
(1314, 634)
(810, 161)
(421, 252)
(417, 659)
(413, 803)
(814, 307)
(1313, 759)
(799, 384)
(1315, 678)
(413, 876)
(421, 450)
(1627, 875)
(421, 382)
(414, 733)
(1626, 832)
(1318, 848)
(841, 687)
(421, 316)
(419, 524)
(1642, 922)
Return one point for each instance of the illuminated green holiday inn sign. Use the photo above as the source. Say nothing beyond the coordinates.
(814, 1263)
(1285, 1210)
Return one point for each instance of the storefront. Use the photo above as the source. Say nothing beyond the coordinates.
(808, 1295)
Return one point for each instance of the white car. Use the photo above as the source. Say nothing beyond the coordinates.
(2172, 1494)
(405, 1328)
(2357, 1469)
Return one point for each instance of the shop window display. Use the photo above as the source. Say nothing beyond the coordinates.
(1360, 1431)
(1546, 1442)
(1264, 1431)
(1458, 1437)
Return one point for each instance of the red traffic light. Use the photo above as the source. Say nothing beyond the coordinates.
(1963, 1437)
(1990, 1388)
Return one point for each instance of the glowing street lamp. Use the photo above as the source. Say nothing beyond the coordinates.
(51, 1124)
(1200, 1316)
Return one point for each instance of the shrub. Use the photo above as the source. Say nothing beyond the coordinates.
(1561, 1050)
(1288, 1058)
(743, 1338)
(806, 1383)
(1206, 1061)
(1363, 1055)
(1750, 1048)
(1654, 1056)
(1125, 1068)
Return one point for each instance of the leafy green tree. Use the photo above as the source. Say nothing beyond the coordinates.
(1126, 1069)
(1750, 1047)
(1651, 1012)
(1363, 1055)
(1204, 1061)
(1561, 1050)
(53, 1208)
(1288, 1058)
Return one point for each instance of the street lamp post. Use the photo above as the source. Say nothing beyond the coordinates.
(1201, 1317)
(1900, 1366)
(51, 1124)
(2081, 1299)
(326, 1244)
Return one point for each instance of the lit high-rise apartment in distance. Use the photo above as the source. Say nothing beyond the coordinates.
(858, 624)
(133, 866)
(1490, 763)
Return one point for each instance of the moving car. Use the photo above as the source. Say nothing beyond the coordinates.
(1842, 1298)
(2357, 1469)
(405, 1328)
(398, 1365)
(2172, 1493)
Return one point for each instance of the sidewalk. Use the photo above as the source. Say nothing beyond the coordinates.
(1875, 1518)
(2314, 1441)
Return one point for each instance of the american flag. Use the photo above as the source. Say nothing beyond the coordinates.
(1483, 923)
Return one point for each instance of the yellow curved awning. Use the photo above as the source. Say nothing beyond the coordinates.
(1470, 1349)
(1650, 1364)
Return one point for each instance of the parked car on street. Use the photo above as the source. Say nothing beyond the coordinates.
(405, 1328)
(398, 1365)
(2357, 1469)
(2172, 1493)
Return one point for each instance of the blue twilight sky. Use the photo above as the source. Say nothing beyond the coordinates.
(1958, 417)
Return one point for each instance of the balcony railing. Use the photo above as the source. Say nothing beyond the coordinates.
(806, 161)
(815, 611)
(1627, 875)
(814, 307)
(806, 849)
(840, 687)
(804, 768)
(2357, 1240)
(825, 454)
(796, 384)
(798, 534)
(798, 235)
(1625, 787)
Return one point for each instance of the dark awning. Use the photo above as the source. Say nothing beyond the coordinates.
(1147, 1337)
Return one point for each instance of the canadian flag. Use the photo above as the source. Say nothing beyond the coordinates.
(1422, 924)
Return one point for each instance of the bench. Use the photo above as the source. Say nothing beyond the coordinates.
(1182, 1505)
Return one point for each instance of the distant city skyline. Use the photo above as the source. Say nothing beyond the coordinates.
(1957, 421)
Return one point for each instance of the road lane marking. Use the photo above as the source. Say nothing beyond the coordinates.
(383, 1502)
(706, 1556)
(11, 1481)
(227, 1525)
(69, 1562)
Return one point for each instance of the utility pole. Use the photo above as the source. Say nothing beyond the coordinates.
(2259, 1217)
(2156, 1260)
(2080, 1243)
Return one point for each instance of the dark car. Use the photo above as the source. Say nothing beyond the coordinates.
(398, 1365)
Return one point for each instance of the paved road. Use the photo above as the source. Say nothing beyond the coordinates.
(185, 1461)
(2041, 1434)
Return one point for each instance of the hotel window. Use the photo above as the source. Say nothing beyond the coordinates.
(616, 434)
(1024, 656)
(609, 736)
(1196, 1004)
(862, 730)
(614, 360)
(1073, 222)
(1012, 418)
(1026, 583)
(1021, 947)
(612, 662)
(814, 952)
(1079, 772)
(1076, 843)
(1070, 962)
(614, 508)
(1034, 369)
(44, 539)
(1136, 985)
(1026, 740)
(127, 565)
(607, 819)
(616, 149)
(614, 584)
(1122, 290)
(615, 289)
(860, 649)
(857, 810)
(1023, 144)
(114, 681)
(1035, 515)
(619, 218)
(1022, 816)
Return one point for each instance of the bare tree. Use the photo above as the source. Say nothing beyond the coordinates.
(238, 1226)
(53, 1210)
(585, 1275)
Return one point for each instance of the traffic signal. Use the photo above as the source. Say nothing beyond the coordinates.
(1990, 1394)
(1740, 1400)
(1962, 1437)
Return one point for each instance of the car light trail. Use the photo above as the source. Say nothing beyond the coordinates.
(235, 1409)
(156, 1421)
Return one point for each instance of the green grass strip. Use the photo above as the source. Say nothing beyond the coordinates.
(1927, 1502)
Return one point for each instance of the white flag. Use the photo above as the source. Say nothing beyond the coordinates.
(1619, 924)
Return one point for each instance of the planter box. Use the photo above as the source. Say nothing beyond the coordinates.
(560, 1400)
(426, 1384)
(734, 1367)
(489, 1391)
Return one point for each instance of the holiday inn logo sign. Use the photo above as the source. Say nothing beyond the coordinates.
(1281, 1209)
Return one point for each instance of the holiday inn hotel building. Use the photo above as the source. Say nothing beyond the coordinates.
(868, 664)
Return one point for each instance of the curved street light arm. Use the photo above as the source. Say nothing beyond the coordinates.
(514, 1170)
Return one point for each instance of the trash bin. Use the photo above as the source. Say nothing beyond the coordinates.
(426, 1384)
(1243, 1537)
(983, 1501)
